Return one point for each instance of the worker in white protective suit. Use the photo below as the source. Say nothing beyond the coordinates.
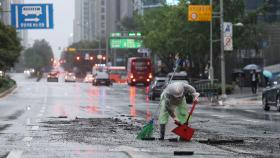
(173, 103)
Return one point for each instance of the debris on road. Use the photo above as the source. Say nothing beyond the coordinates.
(183, 152)
(221, 141)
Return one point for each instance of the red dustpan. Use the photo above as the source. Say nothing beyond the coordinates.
(183, 130)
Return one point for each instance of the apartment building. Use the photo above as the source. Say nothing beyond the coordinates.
(96, 19)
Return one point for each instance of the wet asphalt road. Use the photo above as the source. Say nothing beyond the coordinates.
(34, 119)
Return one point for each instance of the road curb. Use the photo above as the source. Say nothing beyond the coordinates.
(8, 91)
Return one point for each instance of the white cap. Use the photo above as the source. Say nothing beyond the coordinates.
(175, 89)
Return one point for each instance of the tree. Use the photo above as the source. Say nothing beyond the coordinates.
(39, 56)
(70, 56)
(129, 23)
(167, 32)
(10, 47)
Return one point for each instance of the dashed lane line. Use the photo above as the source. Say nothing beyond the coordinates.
(28, 121)
(254, 121)
(27, 139)
(219, 116)
(40, 115)
(35, 128)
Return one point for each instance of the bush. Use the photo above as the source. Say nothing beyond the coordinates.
(6, 83)
(229, 89)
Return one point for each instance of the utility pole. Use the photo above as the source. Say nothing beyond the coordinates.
(223, 77)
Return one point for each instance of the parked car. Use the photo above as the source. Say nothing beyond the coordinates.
(53, 76)
(271, 95)
(156, 87)
(101, 78)
(70, 77)
(177, 76)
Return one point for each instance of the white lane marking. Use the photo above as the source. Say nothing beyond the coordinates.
(27, 139)
(15, 154)
(35, 128)
(254, 121)
(38, 120)
(28, 121)
(250, 110)
(40, 115)
(219, 116)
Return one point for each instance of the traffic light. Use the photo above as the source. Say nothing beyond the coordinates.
(78, 58)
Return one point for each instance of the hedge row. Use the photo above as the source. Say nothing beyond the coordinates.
(6, 83)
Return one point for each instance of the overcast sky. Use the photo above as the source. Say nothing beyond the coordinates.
(63, 25)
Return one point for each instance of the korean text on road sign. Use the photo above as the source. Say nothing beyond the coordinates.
(32, 16)
(200, 13)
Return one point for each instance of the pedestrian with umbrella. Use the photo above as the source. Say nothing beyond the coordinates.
(267, 77)
(254, 81)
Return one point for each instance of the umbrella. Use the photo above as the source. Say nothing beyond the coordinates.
(236, 71)
(251, 67)
(267, 74)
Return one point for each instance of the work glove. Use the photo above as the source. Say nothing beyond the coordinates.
(195, 96)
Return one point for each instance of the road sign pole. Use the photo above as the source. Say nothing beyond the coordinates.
(223, 77)
(211, 70)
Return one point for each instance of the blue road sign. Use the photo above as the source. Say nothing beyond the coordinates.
(32, 16)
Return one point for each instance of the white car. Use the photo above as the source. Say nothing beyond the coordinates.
(88, 78)
(70, 77)
(101, 78)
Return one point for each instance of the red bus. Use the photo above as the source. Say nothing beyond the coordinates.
(117, 74)
(139, 70)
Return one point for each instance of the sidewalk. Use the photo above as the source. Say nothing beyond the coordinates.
(244, 96)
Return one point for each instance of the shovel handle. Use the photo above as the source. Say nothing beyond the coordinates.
(177, 123)
(192, 109)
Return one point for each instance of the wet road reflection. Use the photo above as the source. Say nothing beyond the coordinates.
(258, 114)
(132, 95)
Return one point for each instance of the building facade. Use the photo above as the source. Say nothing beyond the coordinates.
(5, 17)
(5, 14)
(96, 19)
(141, 5)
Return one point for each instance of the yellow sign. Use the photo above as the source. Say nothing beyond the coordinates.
(200, 13)
(71, 49)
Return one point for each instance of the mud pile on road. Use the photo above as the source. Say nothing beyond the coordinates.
(104, 131)
(255, 146)
(114, 132)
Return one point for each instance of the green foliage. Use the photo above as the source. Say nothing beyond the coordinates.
(39, 56)
(69, 57)
(229, 89)
(167, 32)
(129, 24)
(6, 83)
(10, 47)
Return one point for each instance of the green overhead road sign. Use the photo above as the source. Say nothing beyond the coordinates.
(125, 43)
(116, 34)
(125, 34)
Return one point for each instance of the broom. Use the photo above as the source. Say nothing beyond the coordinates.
(147, 131)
